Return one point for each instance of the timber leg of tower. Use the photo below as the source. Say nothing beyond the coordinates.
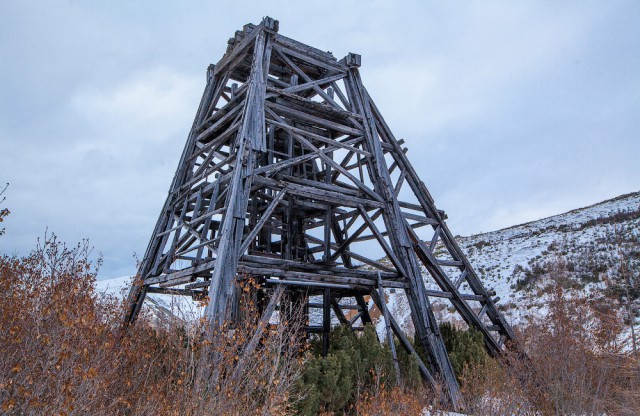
(427, 329)
(249, 142)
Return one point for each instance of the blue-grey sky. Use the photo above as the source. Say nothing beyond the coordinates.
(512, 111)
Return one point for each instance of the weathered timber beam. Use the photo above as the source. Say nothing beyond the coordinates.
(347, 190)
(389, 332)
(345, 102)
(355, 282)
(390, 254)
(188, 247)
(458, 301)
(318, 82)
(424, 371)
(253, 343)
(449, 295)
(317, 193)
(307, 50)
(303, 54)
(226, 118)
(331, 112)
(283, 110)
(342, 306)
(211, 170)
(272, 169)
(338, 311)
(420, 218)
(219, 141)
(384, 233)
(308, 284)
(251, 139)
(354, 236)
(193, 223)
(461, 278)
(315, 267)
(428, 206)
(173, 291)
(175, 276)
(356, 256)
(454, 263)
(426, 325)
(223, 111)
(344, 162)
(328, 99)
(329, 141)
(232, 59)
(337, 167)
(265, 217)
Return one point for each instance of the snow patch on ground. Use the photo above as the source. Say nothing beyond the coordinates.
(160, 306)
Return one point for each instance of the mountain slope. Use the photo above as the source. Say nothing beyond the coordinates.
(582, 250)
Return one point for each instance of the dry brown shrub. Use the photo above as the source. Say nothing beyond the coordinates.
(495, 390)
(575, 365)
(576, 353)
(63, 351)
(396, 401)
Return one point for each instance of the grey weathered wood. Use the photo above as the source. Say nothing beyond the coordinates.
(311, 84)
(426, 326)
(387, 324)
(337, 309)
(139, 288)
(290, 161)
(426, 201)
(390, 254)
(406, 343)
(265, 217)
(255, 338)
(326, 320)
(250, 137)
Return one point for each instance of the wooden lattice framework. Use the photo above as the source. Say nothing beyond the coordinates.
(290, 175)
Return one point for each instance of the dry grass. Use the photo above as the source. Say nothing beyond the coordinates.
(63, 351)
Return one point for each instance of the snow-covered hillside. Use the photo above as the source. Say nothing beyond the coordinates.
(581, 249)
(512, 261)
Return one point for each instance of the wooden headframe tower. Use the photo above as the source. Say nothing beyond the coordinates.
(291, 176)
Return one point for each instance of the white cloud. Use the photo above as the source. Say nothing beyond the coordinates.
(475, 70)
(150, 106)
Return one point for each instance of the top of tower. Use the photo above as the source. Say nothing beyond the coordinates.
(324, 59)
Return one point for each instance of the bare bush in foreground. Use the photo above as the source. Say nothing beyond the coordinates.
(575, 365)
(63, 351)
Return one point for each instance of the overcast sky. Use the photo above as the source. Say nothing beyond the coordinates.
(512, 111)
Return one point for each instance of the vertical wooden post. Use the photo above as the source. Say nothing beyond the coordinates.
(250, 139)
(425, 323)
(326, 320)
(389, 333)
(138, 289)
